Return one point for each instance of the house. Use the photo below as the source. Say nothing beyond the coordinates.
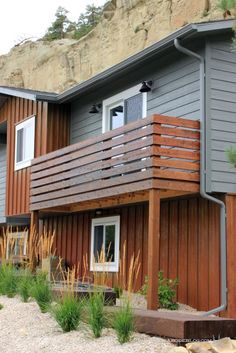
(104, 165)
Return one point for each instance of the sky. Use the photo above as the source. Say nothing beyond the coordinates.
(30, 19)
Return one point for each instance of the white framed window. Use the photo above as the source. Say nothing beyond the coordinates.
(16, 244)
(105, 240)
(24, 143)
(123, 108)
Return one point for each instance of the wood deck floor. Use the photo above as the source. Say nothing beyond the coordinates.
(183, 325)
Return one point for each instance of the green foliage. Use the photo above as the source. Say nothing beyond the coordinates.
(1, 306)
(96, 313)
(167, 292)
(59, 27)
(62, 25)
(118, 290)
(68, 313)
(231, 155)
(24, 285)
(8, 280)
(226, 5)
(41, 292)
(124, 323)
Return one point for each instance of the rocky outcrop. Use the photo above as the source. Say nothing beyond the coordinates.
(127, 27)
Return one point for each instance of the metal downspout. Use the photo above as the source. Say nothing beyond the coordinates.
(223, 274)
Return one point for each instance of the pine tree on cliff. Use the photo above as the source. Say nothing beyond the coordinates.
(59, 27)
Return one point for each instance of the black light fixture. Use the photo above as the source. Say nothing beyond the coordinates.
(95, 108)
(146, 86)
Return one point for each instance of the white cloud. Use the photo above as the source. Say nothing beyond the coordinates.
(30, 19)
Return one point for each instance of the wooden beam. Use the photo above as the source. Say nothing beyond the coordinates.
(153, 248)
(34, 222)
(129, 198)
(231, 259)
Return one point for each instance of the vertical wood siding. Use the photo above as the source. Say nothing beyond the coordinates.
(2, 181)
(189, 244)
(50, 134)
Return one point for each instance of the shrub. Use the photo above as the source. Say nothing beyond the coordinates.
(8, 280)
(119, 291)
(167, 292)
(41, 292)
(24, 285)
(124, 323)
(96, 313)
(68, 313)
(231, 155)
(1, 306)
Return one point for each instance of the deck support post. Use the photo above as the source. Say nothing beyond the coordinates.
(153, 248)
(231, 259)
(34, 222)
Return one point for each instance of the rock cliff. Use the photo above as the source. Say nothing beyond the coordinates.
(127, 27)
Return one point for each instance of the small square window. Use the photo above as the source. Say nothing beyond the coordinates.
(17, 245)
(24, 143)
(105, 244)
(124, 108)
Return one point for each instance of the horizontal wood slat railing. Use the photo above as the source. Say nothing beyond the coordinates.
(128, 159)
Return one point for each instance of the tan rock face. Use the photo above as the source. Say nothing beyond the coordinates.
(127, 27)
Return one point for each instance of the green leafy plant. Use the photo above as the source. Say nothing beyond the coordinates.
(167, 292)
(1, 306)
(25, 284)
(68, 313)
(96, 313)
(124, 323)
(118, 290)
(41, 292)
(8, 280)
(231, 155)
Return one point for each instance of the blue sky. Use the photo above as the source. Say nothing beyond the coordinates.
(30, 19)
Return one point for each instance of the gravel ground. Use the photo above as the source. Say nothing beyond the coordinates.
(24, 329)
(139, 301)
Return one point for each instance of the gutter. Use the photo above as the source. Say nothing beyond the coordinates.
(223, 266)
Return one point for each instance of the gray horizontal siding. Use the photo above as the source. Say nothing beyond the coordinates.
(221, 115)
(2, 182)
(176, 90)
(83, 124)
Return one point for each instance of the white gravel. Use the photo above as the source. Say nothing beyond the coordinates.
(138, 301)
(23, 329)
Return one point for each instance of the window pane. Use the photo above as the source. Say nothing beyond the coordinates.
(117, 117)
(110, 243)
(29, 142)
(98, 242)
(134, 108)
(19, 147)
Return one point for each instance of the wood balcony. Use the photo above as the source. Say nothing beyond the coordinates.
(157, 152)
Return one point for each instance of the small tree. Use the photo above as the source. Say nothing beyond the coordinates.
(60, 26)
(231, 155)
(88, 20)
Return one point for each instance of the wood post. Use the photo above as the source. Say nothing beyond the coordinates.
(34, 222)
(231, 257)
(153, 248)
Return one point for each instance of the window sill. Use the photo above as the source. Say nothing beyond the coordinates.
(106, 267)
(22, 165)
